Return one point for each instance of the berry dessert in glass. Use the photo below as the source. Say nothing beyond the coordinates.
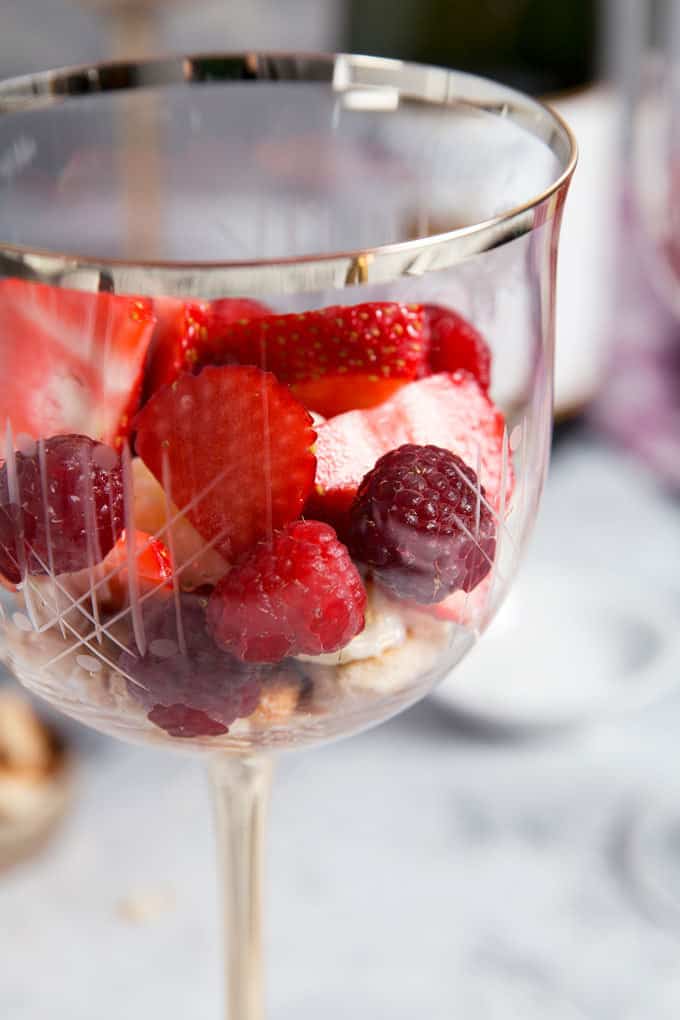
(276, 340)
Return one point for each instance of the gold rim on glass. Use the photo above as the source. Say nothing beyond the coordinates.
(344, 73)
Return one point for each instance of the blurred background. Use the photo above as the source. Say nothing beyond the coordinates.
(511, 847)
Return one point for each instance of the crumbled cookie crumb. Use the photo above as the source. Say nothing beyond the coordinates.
(144, 906)
(25, 744)
(279, 699)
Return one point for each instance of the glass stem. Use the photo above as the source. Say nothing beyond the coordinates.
(241, 794)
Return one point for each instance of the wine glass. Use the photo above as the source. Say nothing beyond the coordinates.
(643, 408)
(652, 30)
(280, 330)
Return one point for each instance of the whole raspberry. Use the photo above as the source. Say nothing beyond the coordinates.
(192, 692)
(70, 506)
(301, 593)
(421, 523)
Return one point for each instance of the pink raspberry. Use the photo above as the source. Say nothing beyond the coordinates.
(301, 593)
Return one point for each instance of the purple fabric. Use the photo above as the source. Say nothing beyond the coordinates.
(639, 402)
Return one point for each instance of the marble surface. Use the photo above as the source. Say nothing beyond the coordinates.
(414, 871)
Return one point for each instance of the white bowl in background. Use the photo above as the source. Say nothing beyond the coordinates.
(571, 645)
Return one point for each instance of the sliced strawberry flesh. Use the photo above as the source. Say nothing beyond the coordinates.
(154, 513)
(335, 358)
(339, 393)
(447, 410)
(153, 566)
(235, 449)
(111, 578)
(466, 608)
(225, 311)
(71, 362)
(186, 332)
(180, 328)
(456, 344)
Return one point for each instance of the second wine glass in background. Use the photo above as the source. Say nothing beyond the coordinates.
(640, 405)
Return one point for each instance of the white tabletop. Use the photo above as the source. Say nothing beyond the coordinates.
(415, 871)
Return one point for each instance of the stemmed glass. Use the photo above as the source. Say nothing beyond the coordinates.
(652, 116)
(645, 404)
(277, 336)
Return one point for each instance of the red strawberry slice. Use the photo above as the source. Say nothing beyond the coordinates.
(71, 362)
(225, 311)
(334, 359)
(238, 444)
(181, 328)
(467, 608)
(448, 410)
(154, 566)
(337, 394)
(185, 333)
(111, 577)
(456, 344)
(154, 571)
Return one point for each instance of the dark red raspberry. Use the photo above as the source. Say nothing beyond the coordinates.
(182, 721)
(71, 520)
(421, 523)
(197, 692)
(299, 593)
